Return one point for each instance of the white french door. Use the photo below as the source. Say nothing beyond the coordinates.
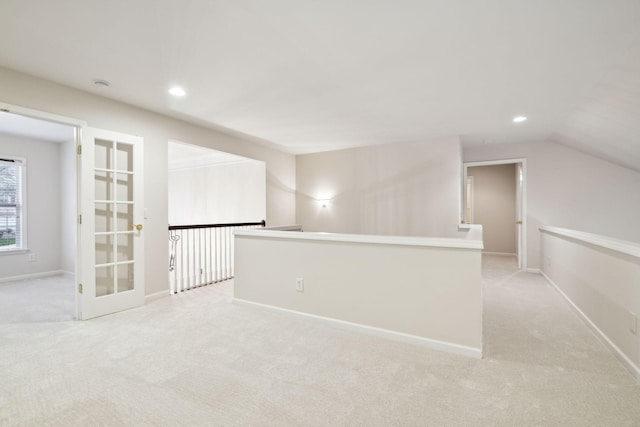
(111, 237)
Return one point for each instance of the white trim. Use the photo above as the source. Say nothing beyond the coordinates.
(365, 238)
(523, 162)
(32, 276)
(42, 115)
(533, 270)
(472, 180)
(632, 367)
(622, 246)
(14, 251)
(499, 254)
(152, 297)
(295, 227)
(20, 162)
(384, 333)
(495, 162)
(461, 188)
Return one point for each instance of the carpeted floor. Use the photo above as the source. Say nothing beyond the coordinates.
(45, 299)
(197, 359)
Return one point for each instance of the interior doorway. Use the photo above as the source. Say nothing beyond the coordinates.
(101, 231)
(495, 196)
(37, 270)
(208, 186)
(211, 194)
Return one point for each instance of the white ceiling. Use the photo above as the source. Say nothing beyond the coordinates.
(187, 156)
(320, 75)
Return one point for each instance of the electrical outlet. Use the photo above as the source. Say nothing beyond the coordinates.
(300, 284)
(633, 325)
(31, 257)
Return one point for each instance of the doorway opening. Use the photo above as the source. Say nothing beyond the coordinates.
(495, 196)
(211, 194)
(38, 269)
(208, 186)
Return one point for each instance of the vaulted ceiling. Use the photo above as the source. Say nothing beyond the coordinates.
(312, 76)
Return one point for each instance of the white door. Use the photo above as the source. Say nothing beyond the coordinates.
(111, 237)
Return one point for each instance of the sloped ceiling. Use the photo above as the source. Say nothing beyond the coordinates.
(312, 76)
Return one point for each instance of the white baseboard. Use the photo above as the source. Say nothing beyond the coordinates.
(499, 254)
(628, 363)
(385, 333)
(31, 276)
(157, 295)
(533, 270)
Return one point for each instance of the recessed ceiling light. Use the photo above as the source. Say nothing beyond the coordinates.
(519, 119)
(177, 91)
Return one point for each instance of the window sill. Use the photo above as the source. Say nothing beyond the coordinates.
(13, 251)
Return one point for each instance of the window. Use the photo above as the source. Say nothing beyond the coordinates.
(12, 212)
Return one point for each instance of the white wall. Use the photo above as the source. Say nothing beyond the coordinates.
(43, 206)
(215, 194)
(157, 130)
(394, 284)
(408, 189)
(494, 206)
(68, 206)
(600, 282)
(567, 188)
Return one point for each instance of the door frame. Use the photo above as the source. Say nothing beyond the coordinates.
(78, 125)
(522, 242)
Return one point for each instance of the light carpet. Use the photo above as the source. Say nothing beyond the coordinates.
(197, 359)
(44, 299)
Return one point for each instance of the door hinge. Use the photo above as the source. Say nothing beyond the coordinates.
(79, 288)
(79, 150)
(79, 219)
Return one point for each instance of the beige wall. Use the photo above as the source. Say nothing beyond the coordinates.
(410, 189)
(26, 91)
(494, 206)
(602, 284)
(43, 206)
(216, 194)
(567, 188)
(430, 292)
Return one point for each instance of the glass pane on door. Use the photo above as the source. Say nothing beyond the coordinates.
(104, 249)
(103, 217)
(105, 281)
(124, 187)
(103, 154)
(124, 220)
(125, 277)
(125, 247)
(114, 221)
(124, 157)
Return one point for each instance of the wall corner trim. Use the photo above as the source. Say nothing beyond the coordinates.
(384, 333)
(626, 362)
(152, 297)
(32, 276)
